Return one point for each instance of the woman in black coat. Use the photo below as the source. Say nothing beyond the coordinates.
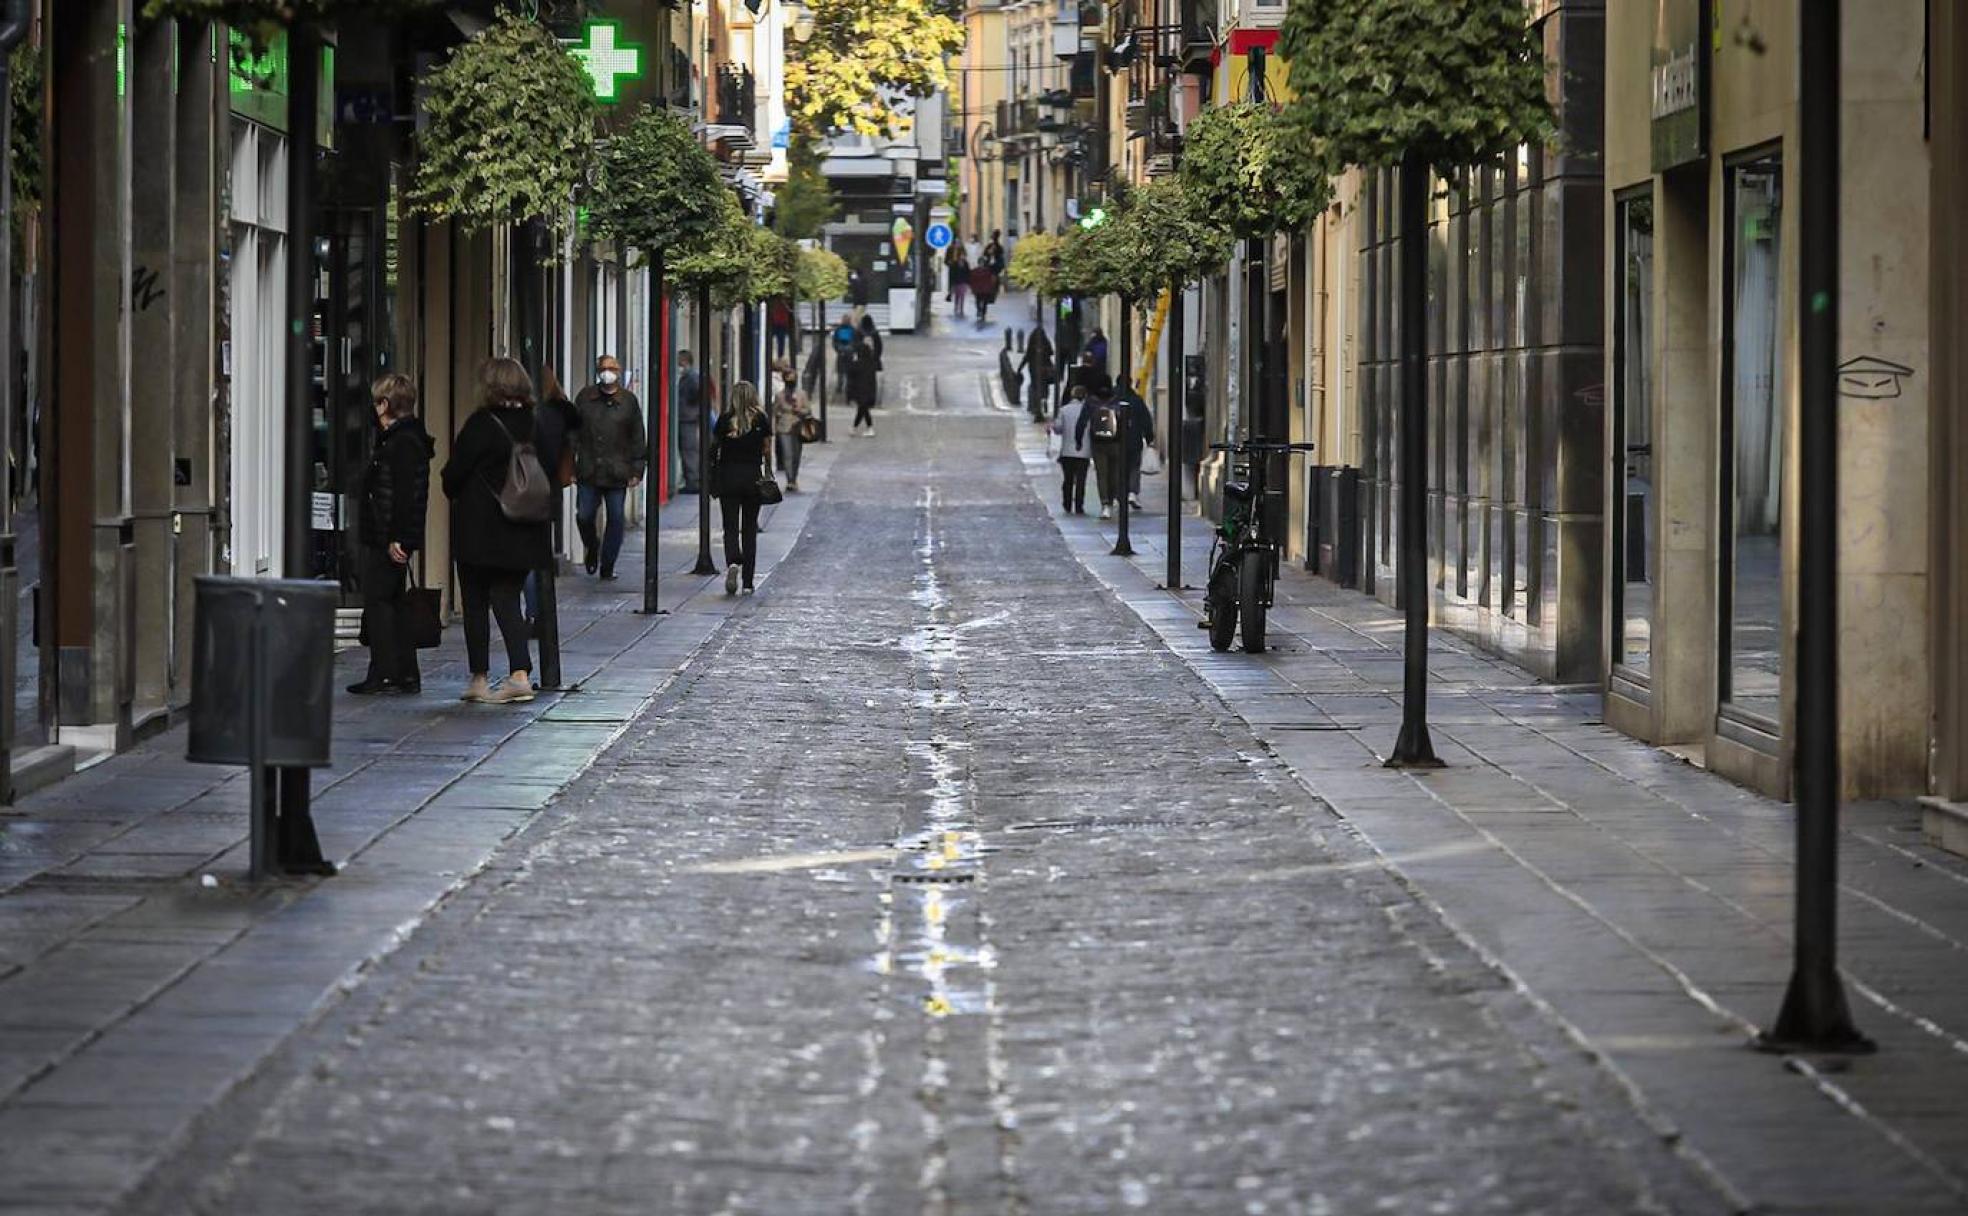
(395, 497)
(741, 437)
(494, 554)
(863, 372)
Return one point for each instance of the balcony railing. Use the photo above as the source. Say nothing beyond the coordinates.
(736, 106)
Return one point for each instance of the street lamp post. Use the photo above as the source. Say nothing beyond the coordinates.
(704, 563)
(1123, 546)
(1413, 749)
(1815, 1016)
(1177, 411)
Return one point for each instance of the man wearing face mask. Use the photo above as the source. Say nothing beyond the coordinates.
(611, 453)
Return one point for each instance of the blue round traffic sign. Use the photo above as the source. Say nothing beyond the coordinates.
(939, 236)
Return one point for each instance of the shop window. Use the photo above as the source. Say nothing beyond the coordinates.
(1751, 661)
(1632, 586)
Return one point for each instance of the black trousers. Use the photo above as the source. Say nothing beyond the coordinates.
(741, 532)
(384, 605)
(485, 592)
(1072, 477)
(864, 414)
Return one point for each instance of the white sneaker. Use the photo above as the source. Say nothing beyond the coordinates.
(1106, 511)
(871, 432)
(731, 580)
(1134, 504)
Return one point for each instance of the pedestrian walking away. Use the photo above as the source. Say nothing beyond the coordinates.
(501, 525)
(1038, 367)
(558, 420)
(1140, 433)
(1075, 453)
(611, 454)
(740, 463)
(958, 261)
(789, 413)
(395, 498)
(872, 333)
(984, 286)
(862, 371)
(1099, 426)
(779, 320)
(691, 400)
(993, 257)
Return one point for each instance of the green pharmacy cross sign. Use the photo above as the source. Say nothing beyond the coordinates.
(607, 63)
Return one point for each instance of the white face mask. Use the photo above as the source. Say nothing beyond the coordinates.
(608, 378)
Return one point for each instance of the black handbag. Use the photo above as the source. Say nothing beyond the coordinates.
(423, 615)
(767, 490)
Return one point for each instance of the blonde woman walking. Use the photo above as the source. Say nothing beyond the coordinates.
(740, 460)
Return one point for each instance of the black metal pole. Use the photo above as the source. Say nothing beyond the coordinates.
(652, 477)
(1123, 547)
(1414, 749)
(297, 850)
(1039, 225)
(704, 563)
(1815, 1016)
(1178, 409)
(13, 27)
(824, 341)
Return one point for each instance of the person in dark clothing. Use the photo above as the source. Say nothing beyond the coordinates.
(1140, 431)
(494, 553)
(1119, 427)
(872, 334)
(984, 286)
(993, 257)
(395, 498)
(1037, 365)
(689, 405)
(779, 320)
(1096, 351)
(863, 373)
(611, 453)
(741, 440)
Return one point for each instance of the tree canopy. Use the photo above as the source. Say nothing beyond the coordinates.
(656, 187)
(1376, 80)
(1034, 263)
(820, 274)
(738, 260)
(1244, 167)
(1164, 238)
(864, 57)
(510, 130)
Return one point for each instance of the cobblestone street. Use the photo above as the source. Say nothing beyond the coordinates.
(935, 884)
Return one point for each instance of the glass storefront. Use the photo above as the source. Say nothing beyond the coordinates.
(1751, 661)
(1631, 582)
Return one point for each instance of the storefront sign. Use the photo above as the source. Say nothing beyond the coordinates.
(1679, 79)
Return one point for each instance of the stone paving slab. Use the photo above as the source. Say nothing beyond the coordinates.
(1643, 902)
(133, 996)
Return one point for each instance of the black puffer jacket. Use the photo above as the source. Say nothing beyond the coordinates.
(481, 535)
(396, 486)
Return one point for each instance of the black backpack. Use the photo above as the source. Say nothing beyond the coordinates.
(526, 496)
(1106, 420)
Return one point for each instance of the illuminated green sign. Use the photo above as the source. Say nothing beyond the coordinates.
(607, 63)
(1094, 218)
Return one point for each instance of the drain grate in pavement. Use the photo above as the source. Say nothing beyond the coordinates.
(1094, 825)
(942, 879)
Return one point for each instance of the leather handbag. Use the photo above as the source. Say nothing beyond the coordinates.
(423, 614)
(767, 490)
(809, 430)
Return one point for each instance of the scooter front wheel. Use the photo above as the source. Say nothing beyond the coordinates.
(1250, 591)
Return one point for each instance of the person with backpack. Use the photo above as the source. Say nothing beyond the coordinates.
(739, 444)
(395, 498)
(611, 454)
(1099, 425)
(558, 420)
(1075, 453)
(501, 525)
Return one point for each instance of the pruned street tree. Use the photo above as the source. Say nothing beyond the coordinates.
(1414, 85)
(864, 58)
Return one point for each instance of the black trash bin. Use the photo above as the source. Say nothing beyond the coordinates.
(291, 625)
